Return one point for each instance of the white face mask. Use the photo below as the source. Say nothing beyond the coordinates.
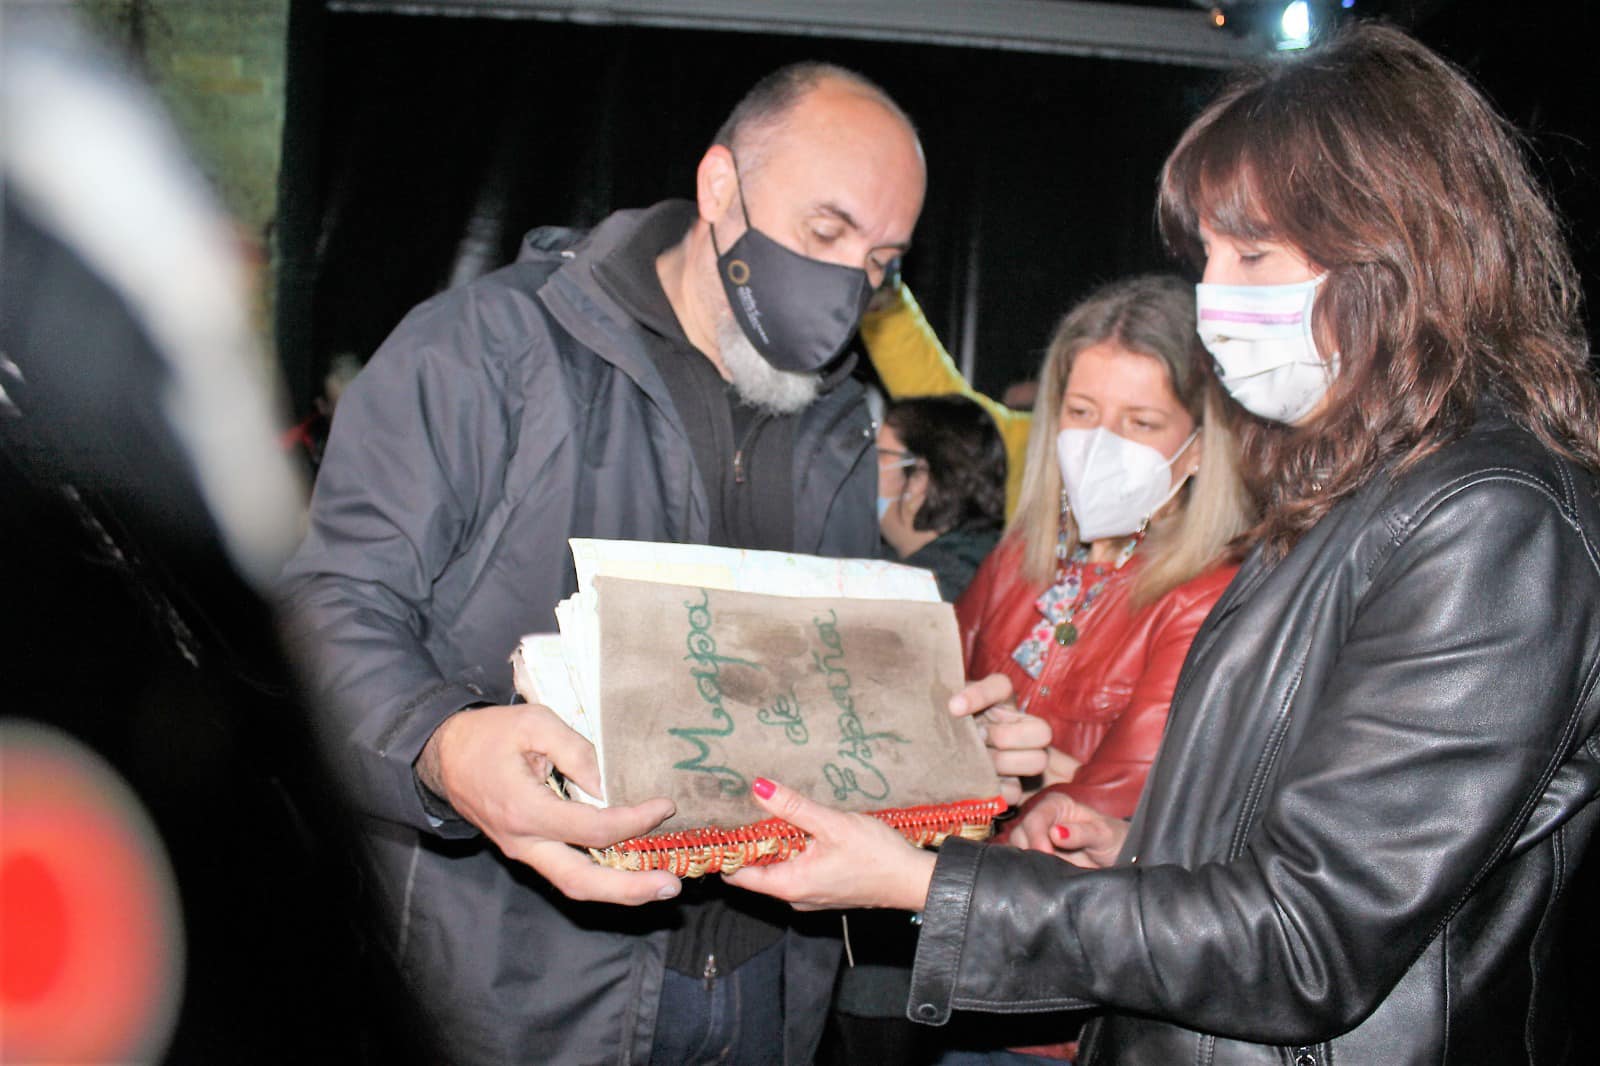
(1114, 484)
(1260, 337)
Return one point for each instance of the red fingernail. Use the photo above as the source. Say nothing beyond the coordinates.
(1060, 831)
(763, 788)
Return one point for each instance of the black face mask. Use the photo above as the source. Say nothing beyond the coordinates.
(798, 312)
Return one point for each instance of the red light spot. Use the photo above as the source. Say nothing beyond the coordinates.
(90, 940)
(33, 913)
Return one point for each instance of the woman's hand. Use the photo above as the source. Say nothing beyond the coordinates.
(851, 860)
(1062, 826)
(1018, 743)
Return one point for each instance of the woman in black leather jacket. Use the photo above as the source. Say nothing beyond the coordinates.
(1380, 770)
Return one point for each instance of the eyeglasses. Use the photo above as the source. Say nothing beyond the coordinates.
(898, 460)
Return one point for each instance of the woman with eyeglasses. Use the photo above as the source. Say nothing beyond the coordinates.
(941, 486)
(1380, 773)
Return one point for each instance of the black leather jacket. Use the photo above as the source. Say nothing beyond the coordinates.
(1377, 781)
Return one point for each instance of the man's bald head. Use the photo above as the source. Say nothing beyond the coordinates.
(819, 161)
(763, 110)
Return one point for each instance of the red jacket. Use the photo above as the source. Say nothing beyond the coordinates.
(1106, 695)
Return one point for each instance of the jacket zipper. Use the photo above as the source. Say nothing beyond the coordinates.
(738, 453)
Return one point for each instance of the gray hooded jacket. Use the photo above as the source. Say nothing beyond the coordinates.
(499, 419)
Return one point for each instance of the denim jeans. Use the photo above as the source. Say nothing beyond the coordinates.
(733, 1019)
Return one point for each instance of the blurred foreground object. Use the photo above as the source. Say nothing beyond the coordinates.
(88, 908)
(178, 882)
(90, 164)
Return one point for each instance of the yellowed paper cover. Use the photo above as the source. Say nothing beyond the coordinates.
(703, 690)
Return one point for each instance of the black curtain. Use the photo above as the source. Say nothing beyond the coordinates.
(437, 142)
(419, 149)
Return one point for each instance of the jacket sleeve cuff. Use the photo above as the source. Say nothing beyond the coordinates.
(435, 807)
(442, 817)
(944, 931)
(388, 769)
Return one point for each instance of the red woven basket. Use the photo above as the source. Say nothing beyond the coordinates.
(696, 852)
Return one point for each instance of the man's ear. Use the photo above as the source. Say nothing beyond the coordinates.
(716, 183)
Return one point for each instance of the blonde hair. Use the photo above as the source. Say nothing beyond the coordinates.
(1150, 315)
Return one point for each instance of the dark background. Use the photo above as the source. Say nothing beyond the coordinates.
(418, 149)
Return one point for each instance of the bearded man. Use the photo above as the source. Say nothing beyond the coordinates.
(673, 375)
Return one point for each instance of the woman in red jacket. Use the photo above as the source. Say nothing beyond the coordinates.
(1118, 547)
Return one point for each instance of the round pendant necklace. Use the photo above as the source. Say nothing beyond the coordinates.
(1076, 599)
(1066, 631)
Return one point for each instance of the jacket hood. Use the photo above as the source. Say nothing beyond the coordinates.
(583, 249)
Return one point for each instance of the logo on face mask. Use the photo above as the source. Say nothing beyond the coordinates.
(798, 312)
(1261, 342)
(1114, 485)
(750, 321)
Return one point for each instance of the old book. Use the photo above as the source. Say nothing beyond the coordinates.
(695, 670)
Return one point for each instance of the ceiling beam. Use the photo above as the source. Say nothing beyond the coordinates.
(1070, 27)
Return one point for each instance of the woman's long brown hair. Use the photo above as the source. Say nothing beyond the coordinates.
(1448, 278)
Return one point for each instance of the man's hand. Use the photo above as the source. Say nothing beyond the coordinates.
(1060, 767)
(1060, 825)
(1018, 743)
(851, 861)
(490, 764)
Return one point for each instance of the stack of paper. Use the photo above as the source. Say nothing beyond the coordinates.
(694, 670)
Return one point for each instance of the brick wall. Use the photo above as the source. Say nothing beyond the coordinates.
(219, 67)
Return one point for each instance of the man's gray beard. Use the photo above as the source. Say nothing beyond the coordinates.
(758, 382)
